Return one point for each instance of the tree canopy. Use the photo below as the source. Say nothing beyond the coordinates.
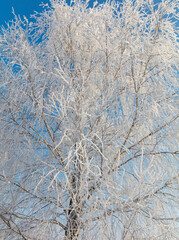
(89, 122)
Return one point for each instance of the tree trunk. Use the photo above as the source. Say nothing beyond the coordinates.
(73, 222)
(72, 227)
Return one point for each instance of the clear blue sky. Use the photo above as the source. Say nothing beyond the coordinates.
(21, 7)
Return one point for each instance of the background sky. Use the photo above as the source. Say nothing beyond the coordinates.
(21, 7)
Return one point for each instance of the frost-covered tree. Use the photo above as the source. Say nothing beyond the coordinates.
(88, 122)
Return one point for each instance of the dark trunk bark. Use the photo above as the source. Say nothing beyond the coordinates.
(71, 232)
(73, 221)
(72, 227)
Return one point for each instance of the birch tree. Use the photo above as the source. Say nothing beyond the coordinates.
(89, 122)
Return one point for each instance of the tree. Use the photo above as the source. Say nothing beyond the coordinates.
(88, 122)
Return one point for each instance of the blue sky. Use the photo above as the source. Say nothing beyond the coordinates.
(21, 7)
